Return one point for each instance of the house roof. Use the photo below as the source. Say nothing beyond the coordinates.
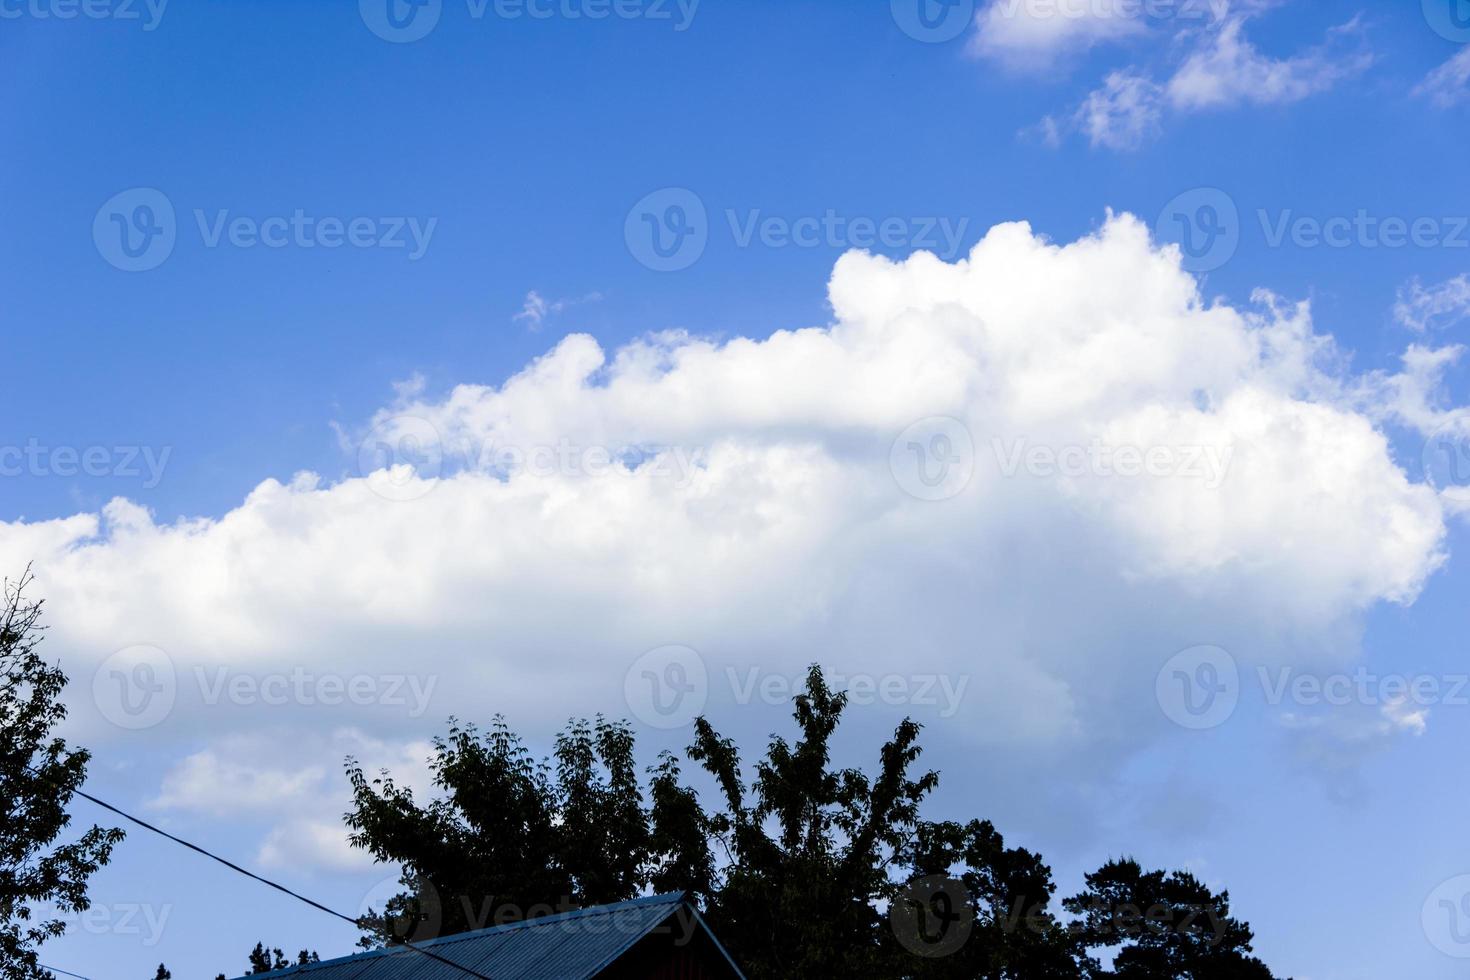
(569, 946)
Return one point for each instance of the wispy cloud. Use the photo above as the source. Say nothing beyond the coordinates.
(537, 309)
(1421, 307)
(1227, 70)
(1449, 84)
(1124, 113)
(1220, 69)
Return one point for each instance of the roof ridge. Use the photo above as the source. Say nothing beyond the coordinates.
(666, 898)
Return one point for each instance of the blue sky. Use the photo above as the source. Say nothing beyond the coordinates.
(527, 152)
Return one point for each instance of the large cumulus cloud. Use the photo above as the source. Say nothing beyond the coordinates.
(526, 541)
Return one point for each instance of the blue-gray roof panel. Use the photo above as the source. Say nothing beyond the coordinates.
(558, 947)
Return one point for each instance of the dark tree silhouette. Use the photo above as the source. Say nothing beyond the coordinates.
(511, 837)
(264, 960)
(803, 870)
(1168, 926)
(39, 774)
(1002, 894)
(808, 846)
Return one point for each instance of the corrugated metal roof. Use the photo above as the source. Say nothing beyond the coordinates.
(569, 946)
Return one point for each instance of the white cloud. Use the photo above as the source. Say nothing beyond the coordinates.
(767, 526)
(1222, 69)
(1227, 70)
(1333, 746)
(211, 782)
(1123, 114)
(1420, 308)
(293, 779)
(1034, 34)
(1449, 84)
(537, 309)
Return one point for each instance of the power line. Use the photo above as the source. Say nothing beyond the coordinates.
(53, 969)
(249, 874)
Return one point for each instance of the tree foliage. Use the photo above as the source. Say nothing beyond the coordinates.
(802, 869)
(39, 774)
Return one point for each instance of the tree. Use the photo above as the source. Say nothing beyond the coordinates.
(39, 774)
(1168, 926)
(511, 837)
(1003, 897)
(808, 847)
(264, 960)
(804, 870)
(163, 973)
